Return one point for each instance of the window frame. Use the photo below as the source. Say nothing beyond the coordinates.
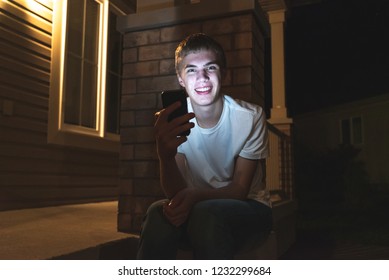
(60, 132)
(351, 130)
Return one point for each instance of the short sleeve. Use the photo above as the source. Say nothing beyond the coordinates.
(257, 143)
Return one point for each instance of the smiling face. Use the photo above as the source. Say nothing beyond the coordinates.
(201, 75)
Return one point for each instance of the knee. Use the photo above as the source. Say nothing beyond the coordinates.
(155, 211)
(205, 222)
(205, 213)
(158, 239)
(209, 233)
(154, 220)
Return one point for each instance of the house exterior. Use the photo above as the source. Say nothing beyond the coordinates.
(42, 164)
(60, 144)
(364, 124)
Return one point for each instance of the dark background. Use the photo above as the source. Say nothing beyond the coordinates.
(336, 51)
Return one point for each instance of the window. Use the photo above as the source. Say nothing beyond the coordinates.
(351, 131)
(346, 135)
(357, 130)
(86, 75)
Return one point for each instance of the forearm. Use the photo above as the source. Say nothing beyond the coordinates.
(231, 191)
(171, 179)
(181, 204)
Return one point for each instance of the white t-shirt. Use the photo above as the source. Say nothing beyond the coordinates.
(210, 153)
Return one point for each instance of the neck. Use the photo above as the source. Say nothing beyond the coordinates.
(208, 116)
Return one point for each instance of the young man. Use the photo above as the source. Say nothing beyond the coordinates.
(212, 178)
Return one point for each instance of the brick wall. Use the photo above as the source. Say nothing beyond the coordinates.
(148, 68)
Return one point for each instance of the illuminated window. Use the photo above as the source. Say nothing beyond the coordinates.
(351, 131)
(86, 74)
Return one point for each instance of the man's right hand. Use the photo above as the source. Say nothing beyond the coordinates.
(166, 132)
(178, 208)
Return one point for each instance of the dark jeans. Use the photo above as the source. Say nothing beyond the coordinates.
(215, 229)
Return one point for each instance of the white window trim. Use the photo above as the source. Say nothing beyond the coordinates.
(351, 130)
(362, 130)
(66, 134)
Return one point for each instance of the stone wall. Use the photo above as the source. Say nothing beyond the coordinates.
(148, 68)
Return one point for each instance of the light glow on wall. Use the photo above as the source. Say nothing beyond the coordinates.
(30, 5)
(38, 7)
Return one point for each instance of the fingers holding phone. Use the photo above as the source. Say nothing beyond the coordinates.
(166, 111)
(177, 127)
(171, 97)
(172, 124)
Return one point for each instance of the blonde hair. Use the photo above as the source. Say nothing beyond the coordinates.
(198, 42)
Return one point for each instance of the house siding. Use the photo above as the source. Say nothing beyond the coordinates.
(320, 131)
(34, 173)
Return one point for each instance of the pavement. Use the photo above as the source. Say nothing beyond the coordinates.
(89, 232)
(81, 231)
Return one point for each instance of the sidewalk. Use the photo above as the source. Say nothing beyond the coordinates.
(51, 232)
(89, 232)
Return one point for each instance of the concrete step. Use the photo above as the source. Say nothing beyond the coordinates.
(89, 232)
(49, 232)
(123, 249)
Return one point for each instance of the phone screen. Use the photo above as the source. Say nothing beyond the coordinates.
(171, 96)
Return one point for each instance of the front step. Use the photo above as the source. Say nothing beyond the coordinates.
(279, 241)
(123, 249)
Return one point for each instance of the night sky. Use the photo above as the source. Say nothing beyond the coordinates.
(336, 51)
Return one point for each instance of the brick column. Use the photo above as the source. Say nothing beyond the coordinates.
(148, 68)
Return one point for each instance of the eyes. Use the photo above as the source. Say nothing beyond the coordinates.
(211, 68)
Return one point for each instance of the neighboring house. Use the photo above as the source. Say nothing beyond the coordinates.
(364, 124)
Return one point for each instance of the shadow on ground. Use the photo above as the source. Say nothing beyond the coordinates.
(124, 249)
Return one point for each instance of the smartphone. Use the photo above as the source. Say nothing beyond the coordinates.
(171, 96)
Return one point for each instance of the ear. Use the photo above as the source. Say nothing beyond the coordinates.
(180, 81)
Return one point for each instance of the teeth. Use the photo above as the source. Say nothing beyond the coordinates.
(203, 89)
